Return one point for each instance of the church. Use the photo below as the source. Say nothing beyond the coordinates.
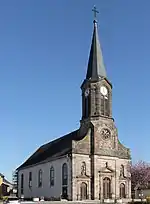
(89, 163)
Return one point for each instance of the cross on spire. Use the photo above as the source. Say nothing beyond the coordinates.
(95, 11)
(96, 68)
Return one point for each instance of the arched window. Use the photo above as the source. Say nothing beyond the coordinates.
(30, 179)
(102, 104)
(83, 105)
(107, 111)
(106, 188)
(122, 190)
(40, 178)
(86, 103)
(87, 106)
(52, 176)
(122, 171)
(64, 174)
(22, 183)
(105, 106)
(83, 168)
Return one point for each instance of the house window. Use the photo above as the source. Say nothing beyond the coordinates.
(52, 176)
(30, 179)
(22, 183)
(64, 174)
(40, 178)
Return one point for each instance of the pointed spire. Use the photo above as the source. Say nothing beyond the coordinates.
(96, 68)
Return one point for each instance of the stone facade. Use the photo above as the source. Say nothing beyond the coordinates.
(104, 167)
(104, 158)
(107, 160)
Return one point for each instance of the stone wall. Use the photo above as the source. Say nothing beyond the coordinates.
(112, 171)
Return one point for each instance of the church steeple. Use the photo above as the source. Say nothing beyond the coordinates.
(96, 89)
(96, 68)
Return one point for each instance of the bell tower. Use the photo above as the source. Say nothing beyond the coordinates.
(98, 133)
(96, 88)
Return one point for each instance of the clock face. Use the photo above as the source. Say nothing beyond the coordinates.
(103, 90)
(105, 133)
(86, 92)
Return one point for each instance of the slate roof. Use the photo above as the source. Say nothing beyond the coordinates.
(53, 149)
(96, 68)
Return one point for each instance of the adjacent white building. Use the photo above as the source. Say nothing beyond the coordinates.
(89, 163)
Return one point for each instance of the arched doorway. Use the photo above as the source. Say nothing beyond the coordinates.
(83, 191)
(106, 188)
(122, 190)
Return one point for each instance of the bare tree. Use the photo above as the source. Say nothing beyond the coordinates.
(140, 174)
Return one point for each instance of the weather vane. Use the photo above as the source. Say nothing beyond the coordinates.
(95, 11)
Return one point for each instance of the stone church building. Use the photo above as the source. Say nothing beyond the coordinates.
(90, 162)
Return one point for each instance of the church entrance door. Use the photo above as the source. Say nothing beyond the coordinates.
(106, 188)
(83, 191)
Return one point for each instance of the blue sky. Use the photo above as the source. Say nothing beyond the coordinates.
(44, 48)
